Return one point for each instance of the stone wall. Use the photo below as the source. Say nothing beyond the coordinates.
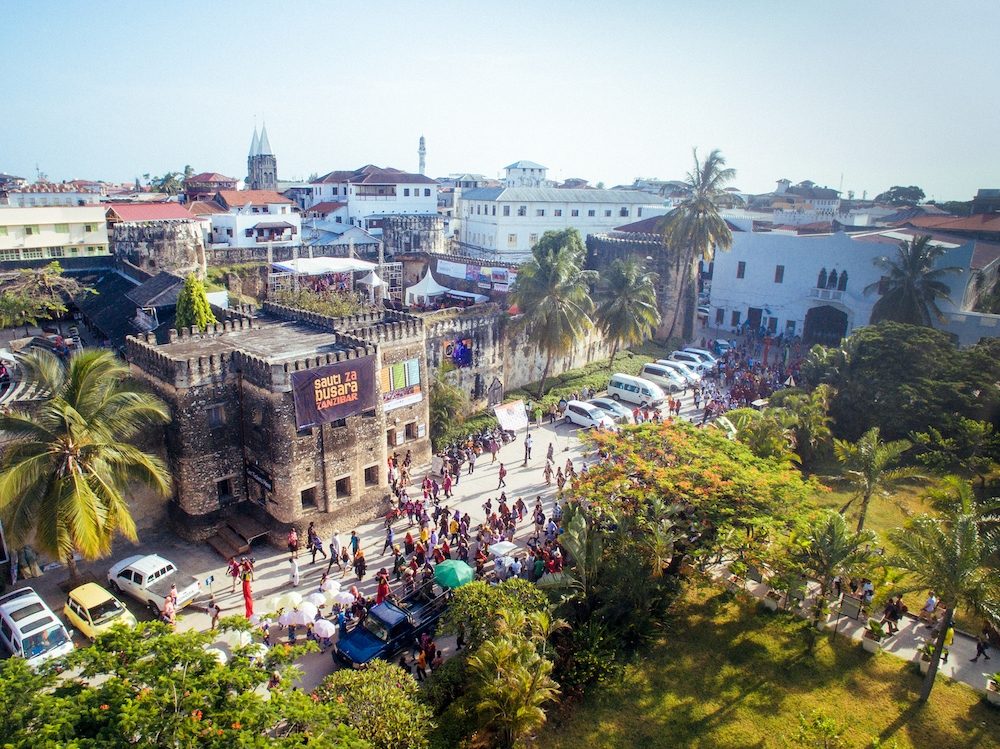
(408, 233)
(484, 325)
(155, 246)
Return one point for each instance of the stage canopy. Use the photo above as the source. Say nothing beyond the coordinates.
(318, 266)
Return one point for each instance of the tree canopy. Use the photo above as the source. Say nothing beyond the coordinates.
(900, 195)
(193, 309)
(28, 295)
(913, 285)
(627, 312)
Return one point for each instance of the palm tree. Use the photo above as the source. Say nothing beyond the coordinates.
(948, 554)
(627, 312)
(868, 462)
(447, 403)
(65, 474)
(511, 680)
(810, 420)
(694, 230)
(830, 549)
(912, 287)
(552, 293)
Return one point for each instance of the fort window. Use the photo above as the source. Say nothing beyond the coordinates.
(343, 487)
(216, 416)
(557, 212)
(591, 213)
(308, 497)
(607, 213)
(575, 212)
(224, 491)
(735, 318)
(720, 316)
(411, 430)
(304, 432)
(371, 475)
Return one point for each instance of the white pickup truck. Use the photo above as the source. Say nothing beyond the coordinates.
(149, 579)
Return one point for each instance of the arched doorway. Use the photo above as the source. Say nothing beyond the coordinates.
(825, 325)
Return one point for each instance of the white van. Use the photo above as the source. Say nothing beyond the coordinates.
(29, 629)
(668, 379)
(689, 373)
(636, 390)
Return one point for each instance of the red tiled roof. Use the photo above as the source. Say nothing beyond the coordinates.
(984, 254)
(205, 207)
(374, 175)
(47, 187)
(149, 212)
(979, 222)
(210, 177)
(326, 207)
(239, 198)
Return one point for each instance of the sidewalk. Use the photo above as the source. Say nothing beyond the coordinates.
(905, 644)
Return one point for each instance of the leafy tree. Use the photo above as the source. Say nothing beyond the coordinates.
(510, 680)
(28, 295)
(330, 303)
(954, 207)
(193, 309)
(447, 404)
(151, 687)
(900, 195)
(475, 608)
(953, 496)
(767, 433)
(913, 286)
(869, 464)
(695, 230)
(827, 549)
(552, 293)
(382, 703)
(169, 183)
(188, 171)
(626, 312)
(809, 419)
(66, 473)
(970, 447)
(819, 731)
(949, 554)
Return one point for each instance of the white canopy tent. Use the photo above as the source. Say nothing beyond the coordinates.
(318, 266)
(373, 282)
(427, 288)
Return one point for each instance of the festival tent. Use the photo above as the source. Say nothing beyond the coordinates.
(373, 282)
(426, 287)
(318, 266)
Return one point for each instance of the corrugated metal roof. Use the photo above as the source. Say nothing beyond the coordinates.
(525, 164)
(559, 195)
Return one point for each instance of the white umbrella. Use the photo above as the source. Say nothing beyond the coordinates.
(220, 655)
(235, 638)
(317, 599)
(330, 586)
(289, 617)
(324, 628)
(288, 600)
(502, 549)
(258, 652)
(308, 609)
(259, 619)
(301, 618)
(344, 598)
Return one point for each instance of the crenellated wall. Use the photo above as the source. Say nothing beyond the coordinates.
(160, 245)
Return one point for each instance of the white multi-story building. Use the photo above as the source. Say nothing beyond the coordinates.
(50, 194)
(371, 193)
(52, 233)
(526, 174)
(254, 218)
(505, 222)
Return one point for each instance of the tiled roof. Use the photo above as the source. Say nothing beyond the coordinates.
(209, 177)
(240, 198)
(133, 212)
(205, 208)
(374, 175)
(558, 195)
(980, 222)
(47, 187)
(109, 310)
(161, 290)
(327, 206)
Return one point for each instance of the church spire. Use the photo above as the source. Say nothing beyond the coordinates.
(264, 146)
(255, 143)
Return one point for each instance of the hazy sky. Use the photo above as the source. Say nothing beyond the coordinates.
(883, 92)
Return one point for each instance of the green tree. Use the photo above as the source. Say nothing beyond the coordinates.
(476, 608)
(948, 554)
(869, 464)
(169, 183)
(912, 286)
(188, 171)
(900, 195)
(28, 295)
(695, 230)
(151, 687)
(382, 703)
(626, 312)
(447, 404)
(827, 549)
(552, 294)
(767, 433)
(66, 473)
(970, 447)
(193, 309)
(809, 418)
(510, 680)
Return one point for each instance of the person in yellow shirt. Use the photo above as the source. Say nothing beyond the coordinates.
(949, 638)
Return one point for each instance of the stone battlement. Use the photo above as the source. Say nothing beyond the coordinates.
(384, 326)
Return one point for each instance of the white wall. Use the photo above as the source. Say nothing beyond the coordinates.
(44, 241)
(242, 219)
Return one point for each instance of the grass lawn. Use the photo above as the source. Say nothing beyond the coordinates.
(729, 675)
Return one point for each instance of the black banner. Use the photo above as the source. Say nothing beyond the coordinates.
(262, 477)
(334, 391)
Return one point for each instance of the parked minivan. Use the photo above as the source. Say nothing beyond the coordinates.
(29, 629)
(636, 390)
(666, 378)
(690, 373)
(692, 360)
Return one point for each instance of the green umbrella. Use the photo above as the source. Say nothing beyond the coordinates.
(453, 573)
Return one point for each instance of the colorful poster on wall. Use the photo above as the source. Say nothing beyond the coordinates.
(499, 275)
(485, 274)
(471, 272)
(335, 391)
(401, 384)
(451, 269)
(512, 416)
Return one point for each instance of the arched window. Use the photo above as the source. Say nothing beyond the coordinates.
(821, 282)
(832, 282)
(842, 283)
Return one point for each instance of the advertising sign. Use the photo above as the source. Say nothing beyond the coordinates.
(449, 268)
(333, 391)
(260, 476)
(512, 416)
(401, 384)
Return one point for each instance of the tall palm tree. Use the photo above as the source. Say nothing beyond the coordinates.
(810, 419)
(626, 312)
(694, 230)
(948, 554)
(913, 286)
(830, 549)
(65, 473)
(552, 293)
(868, 462)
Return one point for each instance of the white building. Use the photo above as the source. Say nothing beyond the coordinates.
(813, 285)
(50, 194)
(52, 233)
(505, 222)
(371, 193)
(254, 218)
(526, 174)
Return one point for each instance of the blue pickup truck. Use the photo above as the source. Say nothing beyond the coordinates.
(391, 628)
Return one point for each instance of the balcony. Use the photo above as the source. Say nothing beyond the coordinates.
(829, 295)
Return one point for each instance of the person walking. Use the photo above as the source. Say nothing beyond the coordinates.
(528, 442)
(360, 564)
(547, 473)
(421, 666)
(503, 475)
(355, 542)
(293, 576)
(293, 541)
(315, 544)
(234, 572)
(390, 539)
(982, 644)
(247, 574)
(550, 454)
(949, 638)
(214, 611)
(335, 546)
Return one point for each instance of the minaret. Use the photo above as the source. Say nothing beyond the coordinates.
(422, 152)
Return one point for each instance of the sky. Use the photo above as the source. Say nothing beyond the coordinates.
(862, 95)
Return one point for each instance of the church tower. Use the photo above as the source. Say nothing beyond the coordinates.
(262, 166)
(422, 153)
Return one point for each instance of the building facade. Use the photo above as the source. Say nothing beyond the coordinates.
(505, 223)
(52, 233)
(49, 194)
(526, 174)
(239, 441)
(262, 165)
(254, 218)
(204, 186)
